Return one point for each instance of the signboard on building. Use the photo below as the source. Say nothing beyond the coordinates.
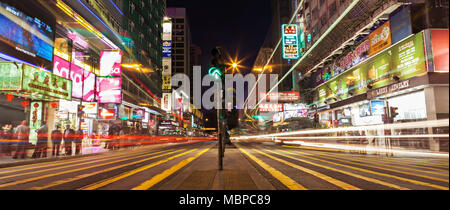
(166, 104)
(110, 63)
(35, 120)
(167, 66)
(10, 76)
(109, 90)
(167, 48)
(166, 82)
(61, 67)
(107, 114)
(266, 107)
(404, 60)
(291, 48)
(45, 83)
(281, 96)
(380, 38)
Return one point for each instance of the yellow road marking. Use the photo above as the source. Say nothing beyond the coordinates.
(83, 163)
(377, 173)
(59, 182)
(43, 165)
(156, 179)
(127, 174)
(386, 169)
(331, 180)
(376, 181)
(64, 172)
(288, 182)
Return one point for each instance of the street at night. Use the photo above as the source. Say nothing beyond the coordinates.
(217, 104)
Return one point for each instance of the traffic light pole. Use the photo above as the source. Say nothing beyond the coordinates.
(219, 130)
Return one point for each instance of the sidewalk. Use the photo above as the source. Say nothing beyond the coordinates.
(8, 161)
(203, 174)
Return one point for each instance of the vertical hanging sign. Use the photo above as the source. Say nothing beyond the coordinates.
(290, 46)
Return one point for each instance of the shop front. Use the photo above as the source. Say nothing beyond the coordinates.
(39, 90)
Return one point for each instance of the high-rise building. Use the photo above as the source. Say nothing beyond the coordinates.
(181, 40)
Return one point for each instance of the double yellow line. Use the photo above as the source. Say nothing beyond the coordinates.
(154, 180)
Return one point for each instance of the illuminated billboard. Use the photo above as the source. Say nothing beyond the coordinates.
(76, 75)
(265, 107)
(110, 63)
(290, 43)
(167, 49)
(40, 82)
(109, 89)
(61, 67)
(28, 35)
(88, 86)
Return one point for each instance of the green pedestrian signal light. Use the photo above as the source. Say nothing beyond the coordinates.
(215, 72)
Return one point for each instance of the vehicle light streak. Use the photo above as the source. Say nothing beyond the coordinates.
(410, 125)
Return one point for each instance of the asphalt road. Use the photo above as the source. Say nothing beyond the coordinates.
(284, 167)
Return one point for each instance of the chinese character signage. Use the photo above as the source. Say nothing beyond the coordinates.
(35, 120)
(46, 83)
(166, 102)
(166, 82)
(290, 41)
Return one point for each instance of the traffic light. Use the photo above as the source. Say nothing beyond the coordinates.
(80, 110)
(393, 112)
(217, 63)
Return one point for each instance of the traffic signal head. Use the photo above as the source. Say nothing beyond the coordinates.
(80, 110)
(393, 112)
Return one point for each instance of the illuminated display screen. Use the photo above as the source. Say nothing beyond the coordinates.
(61, 67)
(110, 63)
(109, 90)
(76, 75)
(88, 86)
(26, 34)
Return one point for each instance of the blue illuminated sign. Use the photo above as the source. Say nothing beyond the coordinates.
(167, 49)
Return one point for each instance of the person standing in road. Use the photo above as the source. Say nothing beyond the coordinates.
(56, 140)
(78, 141)
(23, 134)
(41, 145)
(69, 134)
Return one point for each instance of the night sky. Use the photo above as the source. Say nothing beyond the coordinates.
(239, 26)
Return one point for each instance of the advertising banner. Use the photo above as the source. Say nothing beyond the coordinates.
(109, 90)
(166, 104)
(439, 43)
(107, 114)
(10, 76)
(380, 38)
(110, 63)
(167, 49)
(406, 59)
(88, 86)
(76, 75)
(281, 96)
(290, 42)
(294, 107)
(265, 107)
(46, 83)
(167, 66)
(61, 67)
(166, 82)
(90, 107)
